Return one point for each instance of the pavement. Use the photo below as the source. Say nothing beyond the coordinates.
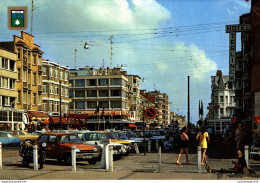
(131, 167)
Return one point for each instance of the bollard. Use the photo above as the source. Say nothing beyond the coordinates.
(157, 144)
(73, 157)
(246, 155)
(110, 162)
(35, 157)
(103, 163)
(149, 146)
(1, 160)
(199, 159)
(159, 158)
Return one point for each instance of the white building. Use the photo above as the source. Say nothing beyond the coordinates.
(222, 106)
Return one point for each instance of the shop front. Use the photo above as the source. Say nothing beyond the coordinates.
(11, 119)
(37, 121)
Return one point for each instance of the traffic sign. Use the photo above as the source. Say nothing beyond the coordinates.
(150, 112)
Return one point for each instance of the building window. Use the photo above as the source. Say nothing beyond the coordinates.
(51, 88)
(62, 88)
(92, 105)
(71, 83)
(221, 99)
(50, 106)
(44, 106)
(91, 82)
(79, 83)
(34, 98)
(56, 89)
(24, 98)
(71, 105)
(103, 104)
(56, 107)
(56, 73)
(116, 81)
(221, 111)
(80, 105)
(24, 75)
(34, 78)
(103, 82)
(115, 93)
(51, 71)
(44, 71)
(44, 88)
(226, 99)
(66, 92)
(103, 93)
(80, 93)
(61, 75)
(19, 97)
(39, 80)
(12, 65)
(18, 74)
(115, 104)
(39, 99)
(71, 94)
(92, 93)
(34, 59)
(29, 99)
(39, 60)
(66, 76)
(19, 54)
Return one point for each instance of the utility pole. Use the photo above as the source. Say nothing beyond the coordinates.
(32, 17)
(60, 106)
(111, 49)
(75, 59)
(188, 104)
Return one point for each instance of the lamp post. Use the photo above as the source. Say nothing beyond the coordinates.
(60, 106)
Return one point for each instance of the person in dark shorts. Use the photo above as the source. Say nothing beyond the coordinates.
(183, 145)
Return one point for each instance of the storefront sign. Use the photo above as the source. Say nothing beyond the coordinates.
(232, 56)
(238, 28)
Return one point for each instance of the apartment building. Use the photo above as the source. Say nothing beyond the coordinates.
(10, 118)
(101, 93)
(29, 71)
(55, 88)
(222, 105)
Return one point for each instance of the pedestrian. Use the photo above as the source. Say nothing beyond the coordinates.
(240, 166)
(239, 136)
(183, 143)
(203, 138)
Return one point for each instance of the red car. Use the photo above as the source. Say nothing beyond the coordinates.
(59, 147)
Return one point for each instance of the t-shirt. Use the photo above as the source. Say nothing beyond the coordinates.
(203, 139)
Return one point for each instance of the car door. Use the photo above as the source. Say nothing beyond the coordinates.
(52, 146)
(3, 138)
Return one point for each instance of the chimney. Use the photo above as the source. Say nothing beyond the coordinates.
(219, 73)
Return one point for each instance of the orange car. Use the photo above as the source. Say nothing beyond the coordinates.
(59, 147)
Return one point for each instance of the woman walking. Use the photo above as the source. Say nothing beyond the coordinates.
(183, 145)
(203, 138)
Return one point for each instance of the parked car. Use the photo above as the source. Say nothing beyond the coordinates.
(59, 147)
(94, 137)
(7, 139)
(24, 136)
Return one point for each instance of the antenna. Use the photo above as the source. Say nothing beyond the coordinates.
(111, 49)
(75, 53)
(32, 17)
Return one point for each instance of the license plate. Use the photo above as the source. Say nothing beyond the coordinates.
(87, 157)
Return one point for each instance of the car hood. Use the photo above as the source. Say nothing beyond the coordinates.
(120, 141)
(79, 146)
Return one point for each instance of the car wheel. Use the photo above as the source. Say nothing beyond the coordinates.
(25, 162)
(59, 160)
(67, 159)
(92, 161)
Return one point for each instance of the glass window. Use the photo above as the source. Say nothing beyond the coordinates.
(80, 93)
(80, 105)
(115, 104)
(24, 75)
(91, 82)
(71, 105)
(34, 60)
(92, 105)
(115, 93)
(34, 98)
(44, 88)
(19, 97)
(39, 80)
(221, 98)
(44, 71)
(103, 93)
(103, 82)
(71, 94)
(19, 74)
(43, 138)
(103, 104)
(34, 78)
(12, 65)
(18, 54)
(71, 83)
(79, 83)
(116, 81)
(92, 93)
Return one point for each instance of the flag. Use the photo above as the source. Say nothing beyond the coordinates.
(17, 18)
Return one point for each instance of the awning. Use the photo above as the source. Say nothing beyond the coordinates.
(54, 120)
(36, 115)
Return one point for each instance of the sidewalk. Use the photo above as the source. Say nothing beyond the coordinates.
(131, 167)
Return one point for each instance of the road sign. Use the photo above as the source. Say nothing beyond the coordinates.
(150, 112)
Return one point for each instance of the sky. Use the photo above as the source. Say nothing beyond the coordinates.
(162, 41)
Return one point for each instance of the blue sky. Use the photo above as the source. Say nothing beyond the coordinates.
(162, 41)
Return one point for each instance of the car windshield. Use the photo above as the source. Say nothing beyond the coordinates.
(109, 135)
(132, 135)
(69, 139)
(93, 136)
(121, 135)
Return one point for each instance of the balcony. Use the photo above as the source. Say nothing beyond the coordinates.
(39, 68)
(25, 86)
